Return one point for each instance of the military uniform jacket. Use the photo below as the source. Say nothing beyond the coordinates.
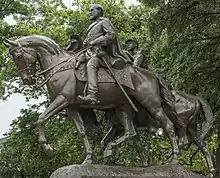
(138, 59)
(103, 35)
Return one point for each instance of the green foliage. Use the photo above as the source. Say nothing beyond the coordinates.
(181, 39)
(21, 156)
(185, 50)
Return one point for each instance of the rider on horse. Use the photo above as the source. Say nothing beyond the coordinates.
(104, 44)
(138, 57)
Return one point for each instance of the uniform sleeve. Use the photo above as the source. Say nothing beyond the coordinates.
(139, 57)
(108, 34)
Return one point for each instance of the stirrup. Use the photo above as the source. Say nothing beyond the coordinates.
(87, 100)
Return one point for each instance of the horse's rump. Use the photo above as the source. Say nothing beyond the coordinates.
(168, 102)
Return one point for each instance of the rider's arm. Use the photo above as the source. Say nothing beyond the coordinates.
(139, 57)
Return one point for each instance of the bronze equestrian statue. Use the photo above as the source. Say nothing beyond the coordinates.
(65, 83)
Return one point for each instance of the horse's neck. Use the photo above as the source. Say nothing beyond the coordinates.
(49, 60)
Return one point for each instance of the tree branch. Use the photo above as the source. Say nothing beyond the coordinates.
(5, 8)
(200, 39)
(210, 13)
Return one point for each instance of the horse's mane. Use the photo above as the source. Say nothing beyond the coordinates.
(41, 41)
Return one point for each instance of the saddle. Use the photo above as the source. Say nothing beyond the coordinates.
(104, 75)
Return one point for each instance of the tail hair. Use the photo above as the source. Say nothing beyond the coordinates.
(169, 103)
(208, 116)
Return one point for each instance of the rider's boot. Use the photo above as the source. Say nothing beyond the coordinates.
(91, 97)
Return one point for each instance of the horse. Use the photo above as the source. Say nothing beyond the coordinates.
(195, 113)
(57, 67)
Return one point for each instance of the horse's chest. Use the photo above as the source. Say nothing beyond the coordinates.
(61, 81)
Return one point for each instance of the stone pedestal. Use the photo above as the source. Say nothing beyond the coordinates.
(104, 171)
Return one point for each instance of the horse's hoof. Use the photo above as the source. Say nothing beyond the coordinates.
(107, 153)
(87, 162)
(174, 161)
(42, 140)
(48, 149)
(145, 164)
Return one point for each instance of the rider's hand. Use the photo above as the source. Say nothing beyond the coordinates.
(101, 54)
(92, 43)
(77, 64)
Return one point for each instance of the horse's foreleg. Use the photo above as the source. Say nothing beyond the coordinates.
(111, 132)
(55, 107)
(126, 117)
(77, 118)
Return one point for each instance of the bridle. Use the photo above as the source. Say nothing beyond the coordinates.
(29, 68)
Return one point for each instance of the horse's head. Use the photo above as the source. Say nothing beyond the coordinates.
(26, 51)
(25, 59)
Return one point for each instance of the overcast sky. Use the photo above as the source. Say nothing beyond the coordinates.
(10, 109)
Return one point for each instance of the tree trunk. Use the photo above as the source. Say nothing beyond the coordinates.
(218, 156)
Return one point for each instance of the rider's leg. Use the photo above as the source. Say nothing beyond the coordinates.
(92, 68)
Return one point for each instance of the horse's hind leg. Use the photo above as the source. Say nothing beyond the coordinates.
(169, 129)
(153, 105)
(77, 118)
(204, 148)
(140, 150)
(54, 108)
(111, 117)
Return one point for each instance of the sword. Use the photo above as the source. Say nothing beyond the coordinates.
(120, 86)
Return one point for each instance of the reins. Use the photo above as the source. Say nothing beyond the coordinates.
(77, 53)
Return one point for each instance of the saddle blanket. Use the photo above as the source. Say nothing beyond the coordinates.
(104, 76)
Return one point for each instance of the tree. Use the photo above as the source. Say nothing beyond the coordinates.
(185, 35)
(8, 7)
(21, 155)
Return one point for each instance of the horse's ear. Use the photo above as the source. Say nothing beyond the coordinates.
(6, 44)
(9, 43)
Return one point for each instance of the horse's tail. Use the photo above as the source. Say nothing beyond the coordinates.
(208, 117)
(169, 103)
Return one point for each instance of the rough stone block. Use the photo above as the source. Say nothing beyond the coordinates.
(104, 171)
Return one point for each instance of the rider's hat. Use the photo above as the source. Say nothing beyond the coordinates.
(75, 41)
(75, 37)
